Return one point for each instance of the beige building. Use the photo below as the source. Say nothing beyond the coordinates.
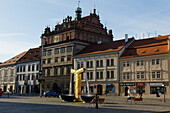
(144, 67)
(101, 63)
(8, 74)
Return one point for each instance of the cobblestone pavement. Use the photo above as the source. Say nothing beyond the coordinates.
(116, 104)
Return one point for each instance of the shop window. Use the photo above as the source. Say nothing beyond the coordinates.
(140, 89)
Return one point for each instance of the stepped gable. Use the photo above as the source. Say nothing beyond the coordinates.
(33, 54)
(149, 46)
(14, 59)
(104, 47)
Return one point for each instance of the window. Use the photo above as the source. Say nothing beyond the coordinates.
(126, 76)
(55, 71)
(88, 76)
(97, 75)
(62, 58)
(29, 67)
(56, 50)
(101, 63)
(28, 76)
(153, 74)
(81, 64)
(112, 74)
(91, 75)
(17, 69)
(108, 62)
(62, 50)
(37, 67)
(69, 49)
(140, 75)
(12, 72)
(158, 74)
(78, 65)
(108, 74)
(97, 63)
(126, 64)
(56, 59)
(62, 71)
(48, 71)
(32, 77)
(33, 66)
(68, 57)
(82, 76)
(112, 62)
(21, 69)
(44, 53)
(101, 74)
(153, 61)
(49, 60)
(139, 63)
(68, 70)
(91, 63)
(49, 52)
(157, 61)
(88, 64)
(44, 61)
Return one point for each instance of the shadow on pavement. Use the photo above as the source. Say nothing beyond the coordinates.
(15, 107)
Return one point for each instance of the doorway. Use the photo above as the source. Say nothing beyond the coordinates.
(126, 91)
(99, 89)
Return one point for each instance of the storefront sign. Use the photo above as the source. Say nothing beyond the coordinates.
(127, 84)
(156, 84)
(140, 84)
(108, 84)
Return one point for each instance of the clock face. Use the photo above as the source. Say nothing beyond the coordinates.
(56, 38)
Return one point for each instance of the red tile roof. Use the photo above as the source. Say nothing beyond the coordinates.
(104, 47)
(13, 60)
(150, 46)
(32, 55)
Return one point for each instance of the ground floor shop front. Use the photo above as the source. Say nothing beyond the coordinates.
(103, 88)
(152, 89)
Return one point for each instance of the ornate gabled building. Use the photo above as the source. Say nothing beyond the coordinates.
(8, 74)
(61, 44)
(144, 67)
(28, 72)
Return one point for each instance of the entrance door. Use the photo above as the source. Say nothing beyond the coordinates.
(126, 91)
(99, 89)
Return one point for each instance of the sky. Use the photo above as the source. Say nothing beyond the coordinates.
(23, 21)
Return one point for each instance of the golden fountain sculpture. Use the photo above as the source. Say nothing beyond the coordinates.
(78, 73)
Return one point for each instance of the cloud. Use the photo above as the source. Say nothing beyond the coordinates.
(56, 20)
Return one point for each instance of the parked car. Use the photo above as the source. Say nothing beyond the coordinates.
(51, 94)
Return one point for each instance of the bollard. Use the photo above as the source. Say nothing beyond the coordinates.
(96, 101)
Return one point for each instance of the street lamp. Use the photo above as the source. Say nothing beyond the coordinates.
(41, 65)
(164, 90)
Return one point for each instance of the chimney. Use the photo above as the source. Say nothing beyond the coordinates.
(169, 43)
(126, 37)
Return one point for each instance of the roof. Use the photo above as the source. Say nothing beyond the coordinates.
(149, 46)
(33, 54)
(13, 60)
(104, 47)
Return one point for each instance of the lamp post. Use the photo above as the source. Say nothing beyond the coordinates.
(164, 91)
(41, 64)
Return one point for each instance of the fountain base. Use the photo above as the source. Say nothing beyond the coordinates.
(68, 97)
(87, 98)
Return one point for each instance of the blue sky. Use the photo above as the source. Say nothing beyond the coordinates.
(23, 21)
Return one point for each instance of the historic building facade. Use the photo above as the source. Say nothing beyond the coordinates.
(101, 63)
(144, 67)
(8, 74)
(61, 44)
(27, 71)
